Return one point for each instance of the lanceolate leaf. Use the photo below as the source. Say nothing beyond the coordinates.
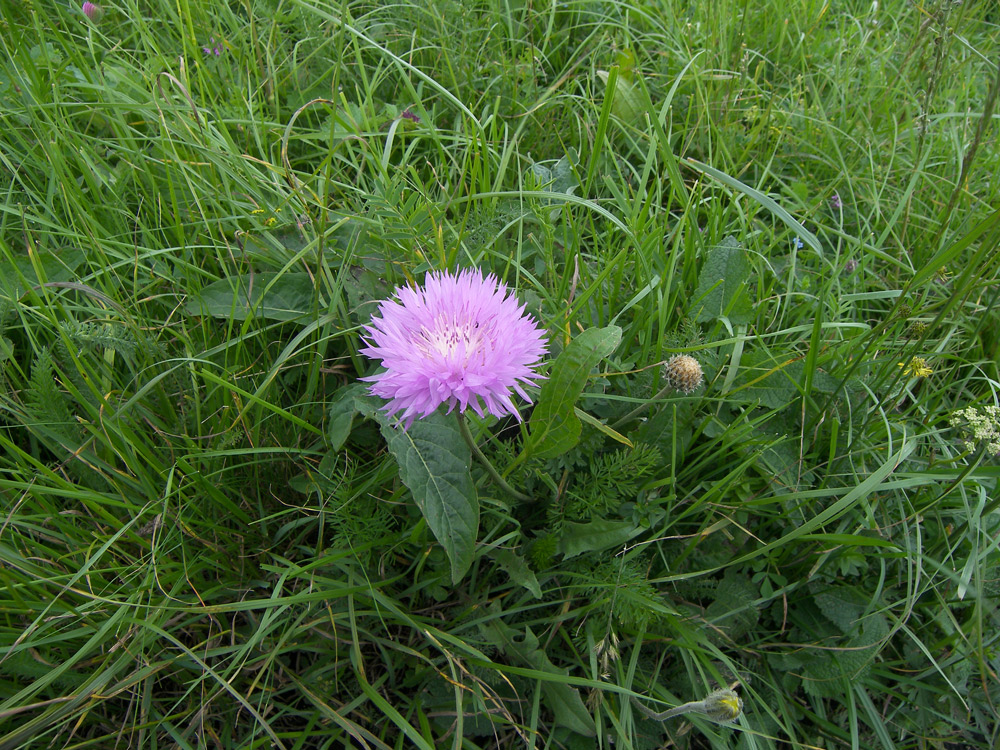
(722, 285)
(554, 426)
(434, 464)
(578, 538)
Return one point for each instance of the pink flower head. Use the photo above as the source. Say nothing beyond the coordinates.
(93, 11)
(461, 340)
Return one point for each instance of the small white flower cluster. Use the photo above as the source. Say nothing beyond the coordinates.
(980, 425)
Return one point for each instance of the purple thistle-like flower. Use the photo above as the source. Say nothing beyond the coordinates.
(93, 11)
(835, 202)
(461, 340)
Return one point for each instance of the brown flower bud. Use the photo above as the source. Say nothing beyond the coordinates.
(683, 373)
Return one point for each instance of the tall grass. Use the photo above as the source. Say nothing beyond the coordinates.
(204, 544)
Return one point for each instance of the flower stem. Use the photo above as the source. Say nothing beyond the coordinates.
(463, 427)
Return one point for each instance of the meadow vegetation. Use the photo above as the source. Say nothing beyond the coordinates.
(212, 536)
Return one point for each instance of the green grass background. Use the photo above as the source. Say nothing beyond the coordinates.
(195, 551)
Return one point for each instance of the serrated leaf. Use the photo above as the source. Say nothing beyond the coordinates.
(271, 295)
(822, 677)
(434, 464)
(733, 610)
(515, 567)
(722, 285)
(843, 606)
(554, 427)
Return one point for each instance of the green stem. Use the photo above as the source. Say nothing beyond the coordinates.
(640, 409)
(463, 427)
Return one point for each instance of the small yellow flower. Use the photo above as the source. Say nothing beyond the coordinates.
(917, 367)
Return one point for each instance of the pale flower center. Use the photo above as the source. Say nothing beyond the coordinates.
(445, 337)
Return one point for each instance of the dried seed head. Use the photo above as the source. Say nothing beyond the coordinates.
(683, 373)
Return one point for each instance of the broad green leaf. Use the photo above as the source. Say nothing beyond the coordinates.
(342, 411)
(21, 272)
(733, 611)
(434, 464)
(626, 103)
(554, 426)
(851, 656)
(274, 249)
(563, 176)
(560, 178)
(845, 607)
(563, 700)
(722, 285)
(577, 538)
(770, 382)
(518, 570)
(271, 295)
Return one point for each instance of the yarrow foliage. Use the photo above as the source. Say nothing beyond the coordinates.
(461, 340)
